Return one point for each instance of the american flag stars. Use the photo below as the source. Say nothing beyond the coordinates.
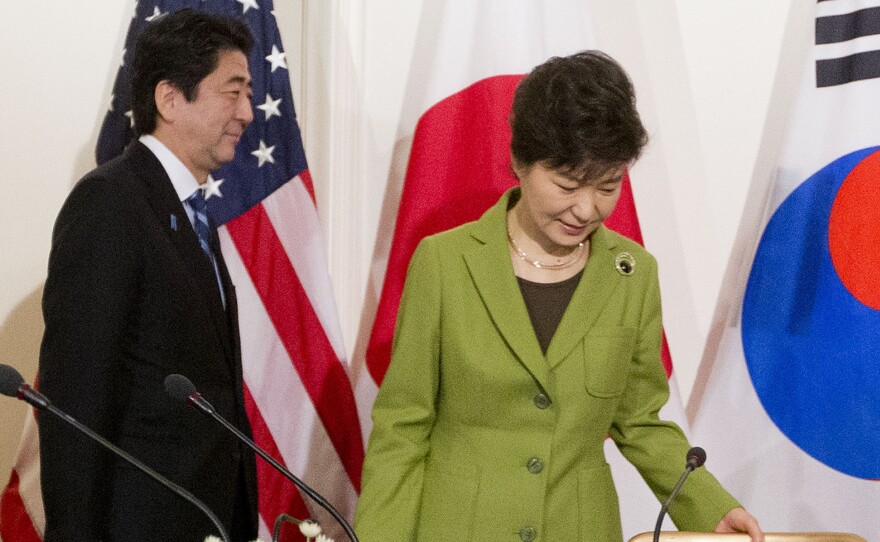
(264, 154)
(277, 59)
(212, 187)
(270, 107)
(247, 4)
(156, 15)
(264, 146)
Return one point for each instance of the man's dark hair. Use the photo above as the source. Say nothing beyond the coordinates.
(576, 114)
(183, 48)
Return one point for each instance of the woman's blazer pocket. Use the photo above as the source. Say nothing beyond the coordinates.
(607, 359)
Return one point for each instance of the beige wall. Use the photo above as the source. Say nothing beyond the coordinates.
(707, 68)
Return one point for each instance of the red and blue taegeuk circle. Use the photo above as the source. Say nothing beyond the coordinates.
(811, 315)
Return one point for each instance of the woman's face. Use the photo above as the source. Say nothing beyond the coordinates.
(557, 211)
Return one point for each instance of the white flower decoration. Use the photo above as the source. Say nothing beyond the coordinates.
(212, 538)
(309, 528)
(323, 538)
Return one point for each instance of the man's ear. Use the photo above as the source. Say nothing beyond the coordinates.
(168, 100)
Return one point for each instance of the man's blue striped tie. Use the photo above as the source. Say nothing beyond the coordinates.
(203, 230)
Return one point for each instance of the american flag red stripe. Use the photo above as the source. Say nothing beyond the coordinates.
(285, 499)
(16, 521)
(306, 179)
(302, 333)
(21, 505)
(292, 356)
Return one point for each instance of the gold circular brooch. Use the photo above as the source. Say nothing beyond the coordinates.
(625, 263)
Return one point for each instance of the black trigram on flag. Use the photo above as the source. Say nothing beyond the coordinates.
(843, 28)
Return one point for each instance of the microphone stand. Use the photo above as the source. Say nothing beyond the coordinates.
(279, 521)
(38, 400)
(205, 407)
(696, 456)
(665, 507)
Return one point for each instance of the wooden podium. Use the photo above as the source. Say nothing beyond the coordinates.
(679, 536)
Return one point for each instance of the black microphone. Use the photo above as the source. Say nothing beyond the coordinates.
(696, 456)
(10, 381)
(13, 385)
(179, 387)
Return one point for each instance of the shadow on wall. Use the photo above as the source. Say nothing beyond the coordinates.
(20, 336)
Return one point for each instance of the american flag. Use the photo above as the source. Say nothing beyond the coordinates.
(297, 390)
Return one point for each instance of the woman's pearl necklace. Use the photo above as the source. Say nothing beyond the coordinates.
(575, 256)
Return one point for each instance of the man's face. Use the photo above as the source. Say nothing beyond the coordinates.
(209, 127)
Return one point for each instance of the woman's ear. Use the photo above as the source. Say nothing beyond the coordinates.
(518, 169)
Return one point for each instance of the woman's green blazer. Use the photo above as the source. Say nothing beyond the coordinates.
(478, 436)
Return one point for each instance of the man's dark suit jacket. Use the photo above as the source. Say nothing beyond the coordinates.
(131, 298)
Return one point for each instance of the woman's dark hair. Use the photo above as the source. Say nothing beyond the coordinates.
(183, 48)
(576, 114)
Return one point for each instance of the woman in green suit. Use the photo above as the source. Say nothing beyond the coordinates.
(525, 338)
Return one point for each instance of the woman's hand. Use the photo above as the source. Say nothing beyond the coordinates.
(740, 521)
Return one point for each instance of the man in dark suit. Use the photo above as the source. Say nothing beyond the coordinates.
(137, 290)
